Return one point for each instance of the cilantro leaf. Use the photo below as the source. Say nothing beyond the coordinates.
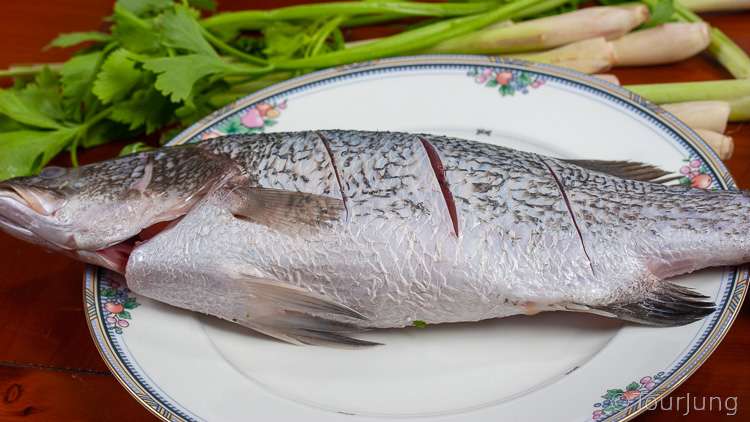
(7, 124)
(25, 106)
(44, 95)
(141, 7)
(284, 40)
(73, 38)
(661, 13)
(76, 76)
(181, 30)
(24, 151)
(133, 33)
(146, 107)
(209, 5)
(132, 149)
(103, 132)
(117, 77)
(177, 75)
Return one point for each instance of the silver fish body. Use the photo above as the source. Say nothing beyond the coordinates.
(534, 233)
(310, 236)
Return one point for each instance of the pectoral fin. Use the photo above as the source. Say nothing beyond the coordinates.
(280, 208)
(298, 316)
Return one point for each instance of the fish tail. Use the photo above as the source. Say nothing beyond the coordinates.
(665, 305)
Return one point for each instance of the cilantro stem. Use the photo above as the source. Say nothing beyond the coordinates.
(256, 19)
(371, 19)
(131, 17)
(81, 132)
(29, 70)
(413, 40)
(221, 45)
(323, 33)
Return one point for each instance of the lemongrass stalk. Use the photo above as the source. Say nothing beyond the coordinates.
(549, 32)
(668, 43)
(588, 56)
(723, 145)
(729, 54)
(609, 78)
(740, 109)
(410, 41)
(708, 115)
(715, 5)
(693, 91)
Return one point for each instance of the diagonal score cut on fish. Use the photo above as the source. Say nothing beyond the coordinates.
(311, 237)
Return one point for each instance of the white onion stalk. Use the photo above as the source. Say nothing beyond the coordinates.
(715, 5)
(709, 115)
(609, 22)
(722, 144)
(663, 44)
(588, 56)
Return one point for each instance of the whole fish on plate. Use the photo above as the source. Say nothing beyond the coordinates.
(310, 237)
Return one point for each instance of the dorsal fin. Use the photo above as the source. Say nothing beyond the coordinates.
(632, 170)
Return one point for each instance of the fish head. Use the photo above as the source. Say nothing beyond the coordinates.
(99, 212)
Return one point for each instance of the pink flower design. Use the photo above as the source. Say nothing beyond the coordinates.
(701, 181)
(597, 414)
(263, 108)
(646, 380)
(695, 164)
(252, 119)
(503, 78)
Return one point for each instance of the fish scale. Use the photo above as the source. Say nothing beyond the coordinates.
(311, 236)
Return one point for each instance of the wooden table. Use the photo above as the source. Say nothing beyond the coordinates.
(49, 367)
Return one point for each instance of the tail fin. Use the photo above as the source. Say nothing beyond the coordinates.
(667, 305)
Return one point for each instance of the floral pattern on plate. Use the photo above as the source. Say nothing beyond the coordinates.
(254, 119)
(117, 302)
(508, 82)
(618, 399)
(695, 173)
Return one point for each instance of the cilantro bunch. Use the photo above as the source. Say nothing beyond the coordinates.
(162, 66)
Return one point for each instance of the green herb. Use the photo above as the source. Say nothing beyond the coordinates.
(134, 148)
(419, 324)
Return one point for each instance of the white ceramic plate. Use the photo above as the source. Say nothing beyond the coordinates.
(563, 367)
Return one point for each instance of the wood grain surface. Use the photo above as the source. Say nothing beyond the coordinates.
(49, 367)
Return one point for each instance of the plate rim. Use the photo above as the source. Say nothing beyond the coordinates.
(717, 333)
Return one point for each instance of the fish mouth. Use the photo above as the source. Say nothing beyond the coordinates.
(40, 201)
(27, 214)
(16, 213)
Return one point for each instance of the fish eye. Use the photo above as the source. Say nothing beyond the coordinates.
(52, 172)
